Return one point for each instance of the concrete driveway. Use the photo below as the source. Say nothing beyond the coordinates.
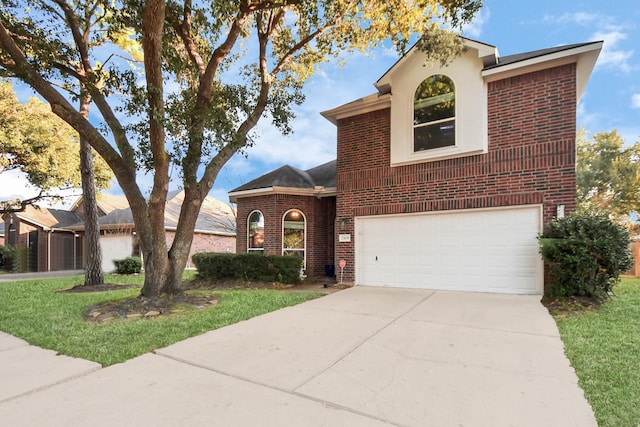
(359, 357)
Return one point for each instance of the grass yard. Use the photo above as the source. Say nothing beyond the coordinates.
(34, 311)
(604, 348)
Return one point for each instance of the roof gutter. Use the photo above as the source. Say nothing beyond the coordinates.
(585, 58)
(309, 192)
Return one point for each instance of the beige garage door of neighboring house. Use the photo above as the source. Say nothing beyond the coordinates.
(482, 250)
(115, 247)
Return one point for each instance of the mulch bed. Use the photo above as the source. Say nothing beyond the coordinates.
(97, 288)
(133, 308)
(566, 305)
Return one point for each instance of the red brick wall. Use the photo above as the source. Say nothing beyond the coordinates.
(206, 243)
(531, 159)
(320, 216)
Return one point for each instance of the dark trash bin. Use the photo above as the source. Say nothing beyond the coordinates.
(330, 270)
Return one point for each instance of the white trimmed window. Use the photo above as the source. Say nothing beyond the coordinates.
(434, 114)
(255, 232)
(294, 234)
(438, 112)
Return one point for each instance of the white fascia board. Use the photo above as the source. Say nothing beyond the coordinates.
(488, 53)
(367, 104)
(233, 196)
(32, 222)
(317, 191)
(584, 56)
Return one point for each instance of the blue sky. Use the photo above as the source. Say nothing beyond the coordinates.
(611, 100)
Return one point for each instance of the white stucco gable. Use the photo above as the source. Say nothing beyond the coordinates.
(402, 80)
(470, 74)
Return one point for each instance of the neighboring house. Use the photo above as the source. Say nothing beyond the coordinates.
(215, 231)
(443, 178)
(42, 232)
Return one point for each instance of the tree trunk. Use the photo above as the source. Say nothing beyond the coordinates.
(93, 272)
(163, 269)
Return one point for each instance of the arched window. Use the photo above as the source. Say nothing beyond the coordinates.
(294, 234)
(255, 232)
(434, 114)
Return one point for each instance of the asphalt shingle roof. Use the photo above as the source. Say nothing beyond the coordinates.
(519, 57)
(52, 218)
(288, 176)
(215, 216)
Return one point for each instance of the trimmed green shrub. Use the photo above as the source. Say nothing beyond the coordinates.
(265, 268)
(8, 258)
(585, 254)
(129, 265)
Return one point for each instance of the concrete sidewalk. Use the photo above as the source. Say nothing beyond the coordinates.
(359, 357)
(14, 277)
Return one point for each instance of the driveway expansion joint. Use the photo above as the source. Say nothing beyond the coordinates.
(292, 392)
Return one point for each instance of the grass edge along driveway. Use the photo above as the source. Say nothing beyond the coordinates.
(34, 311)
(603, 346)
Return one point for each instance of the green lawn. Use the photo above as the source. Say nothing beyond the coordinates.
(33, 311)
(604, 348)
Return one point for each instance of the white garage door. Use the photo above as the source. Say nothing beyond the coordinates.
(115, 247)
(474, 250)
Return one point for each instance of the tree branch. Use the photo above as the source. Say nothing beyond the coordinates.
(183, 30)
(17, 205)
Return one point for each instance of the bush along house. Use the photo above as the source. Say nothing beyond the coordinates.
(443, 179)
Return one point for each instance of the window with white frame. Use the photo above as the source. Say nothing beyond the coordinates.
(434, 114)
(294, 229)
(255, 232)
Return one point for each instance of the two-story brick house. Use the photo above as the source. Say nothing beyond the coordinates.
(443, 178)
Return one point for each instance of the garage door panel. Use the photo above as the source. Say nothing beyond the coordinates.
(478, 250)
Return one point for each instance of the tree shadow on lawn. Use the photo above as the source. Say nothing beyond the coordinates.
(196, 294)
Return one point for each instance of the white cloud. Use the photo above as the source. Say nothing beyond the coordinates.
(635, 100)
(611, 54)
(607, 28)
(629, 134)
(587, 119)
(15, 185)
(313, 143)
(582, 18)
(476, 26)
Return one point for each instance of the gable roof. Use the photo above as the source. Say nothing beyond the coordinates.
(318, 180)
(519, 57)
(494, 68)
(215, 217)
(488, 53)
(109, 203)
(48, 218)
(106, 202)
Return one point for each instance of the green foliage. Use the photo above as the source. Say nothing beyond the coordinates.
(196, 98)
(608, 173)
(40, 144)
(266, 268)
(585, 253)
(129, 265)
(8, 258)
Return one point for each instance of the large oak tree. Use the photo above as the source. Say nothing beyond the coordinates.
(210, 70)
(608, 173)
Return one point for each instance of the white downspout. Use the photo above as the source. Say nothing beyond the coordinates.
(49, 250)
